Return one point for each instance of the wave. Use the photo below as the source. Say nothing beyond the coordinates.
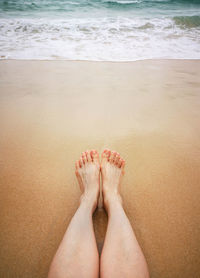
(45, 5)
(62, 8)
(150, 2)
(104, 39)
(187, 21)
(122, 2)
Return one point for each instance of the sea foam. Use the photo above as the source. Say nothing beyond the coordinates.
(99, 31)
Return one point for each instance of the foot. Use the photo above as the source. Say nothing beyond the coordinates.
(87, 173)
(112, 169)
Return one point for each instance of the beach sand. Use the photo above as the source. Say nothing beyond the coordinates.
(51, 111)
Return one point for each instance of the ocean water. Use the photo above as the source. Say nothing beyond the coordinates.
(99, 30)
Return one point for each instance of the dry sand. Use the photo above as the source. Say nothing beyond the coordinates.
(51, 111)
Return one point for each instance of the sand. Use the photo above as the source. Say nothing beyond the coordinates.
(51, 111)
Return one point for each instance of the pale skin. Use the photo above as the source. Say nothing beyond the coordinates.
(77, 255)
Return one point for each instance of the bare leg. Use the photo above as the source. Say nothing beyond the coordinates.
(77, 255)
(121, 255)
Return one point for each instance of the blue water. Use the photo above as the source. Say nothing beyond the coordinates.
(115, 30)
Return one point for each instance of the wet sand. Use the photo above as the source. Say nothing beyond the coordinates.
(50, 111)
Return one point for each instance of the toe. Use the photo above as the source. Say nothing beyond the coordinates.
(112, 157)
(117, 158)
(81, 162)
(106, 154)
(123, 164)
(89, 159)
(84, 158)
(120, 162)
(103, 157)
(95, 156)
(77, 165)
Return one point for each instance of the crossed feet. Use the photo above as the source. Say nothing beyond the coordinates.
(88, 169)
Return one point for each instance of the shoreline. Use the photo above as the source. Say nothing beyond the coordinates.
(101, 61)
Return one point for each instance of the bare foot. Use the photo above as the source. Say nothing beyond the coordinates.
(112, 169)
(87, 173)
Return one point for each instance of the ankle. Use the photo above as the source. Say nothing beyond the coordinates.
(111, 199)
(89, 199)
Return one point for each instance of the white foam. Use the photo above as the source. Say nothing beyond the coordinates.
(124, 1)
(97, 39)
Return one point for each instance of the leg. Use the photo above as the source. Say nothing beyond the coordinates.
(121, 255)
(77, 255)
